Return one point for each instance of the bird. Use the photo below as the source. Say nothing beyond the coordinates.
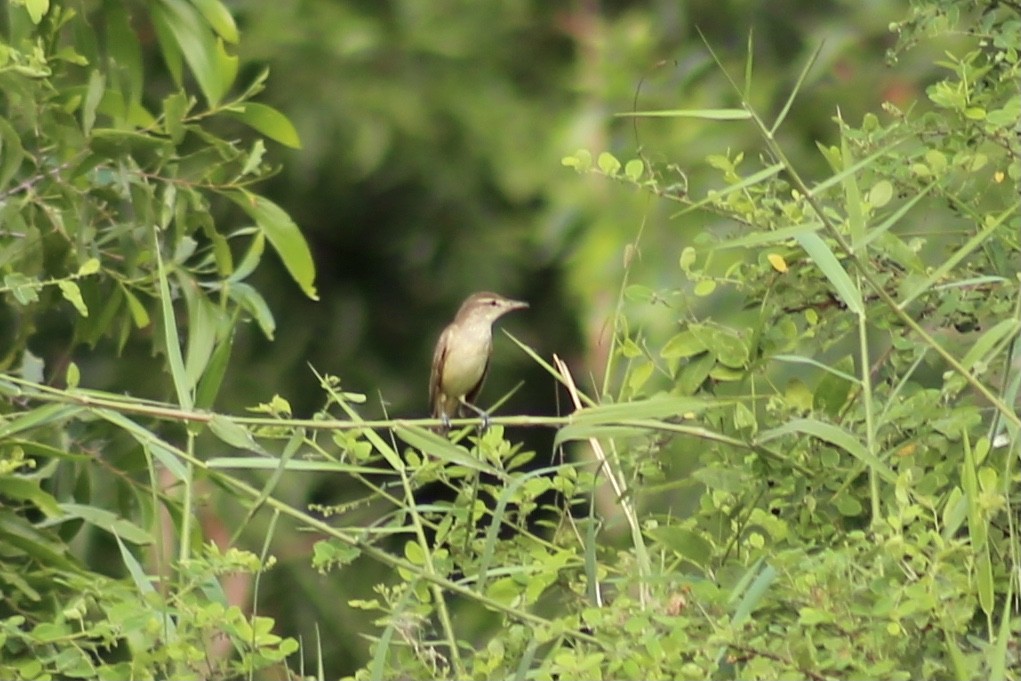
(461, 359)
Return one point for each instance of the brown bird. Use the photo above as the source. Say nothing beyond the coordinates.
(461, 358)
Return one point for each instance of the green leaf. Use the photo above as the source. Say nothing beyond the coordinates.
(685, 543)
(172, 341)
(978, 240)
(695, 372)
(652, 408)
(267, 463)
(608, 163)
(955, 510)
(431, 444)
(880, 194)
(835, 436)
(268, 121)
(73, 376)
(11, 152)
(978, 529)
(37, 9)
(139, 315)
(23, 489)
(90, 266)
(704, 288)
(227, 66)
(175, 108)
(183, 32)
(250, 260)
(37, 418)
(984, 581)
(203, 324)
(764, 575)
(216, 369)
(93, 95)
(580, 161)
(852, 193)
(219, 19)
(159, 449)
(706, 114)
(848, 505)
(252, 302)
(833, 389)
(832, 269)
(24, 289)
(687, 259)
(125, 55)
(111, 522)
(284, 235)
(1007, 328)
(684, 344)
(585, 431)
(233, 434)
(728, 346)
(73, 294)
(18, 534)
(634, 169)
(730, 480)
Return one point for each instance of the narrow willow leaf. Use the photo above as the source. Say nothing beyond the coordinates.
(163, 452)
(431, 444)
(254, 304)
(171, 340)
(284, 235)
(835, 436)
(652, 408)
(263, 463)
(203, 323)
(108, 521)
(11, 152)
(756, 591)
(584, 431)
(93, 95)
(852, 192)
(832, 269)
(22, 489)
(219, 18)
(707, 114)
(38, 417)
(268, 121)
(216, 369)
(15, 532)
(184, 33)
(1007, 328)
(233, 434)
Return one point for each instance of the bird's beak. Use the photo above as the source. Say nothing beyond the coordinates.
(516, 305)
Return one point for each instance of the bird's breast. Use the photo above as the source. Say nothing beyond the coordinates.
(467, 354)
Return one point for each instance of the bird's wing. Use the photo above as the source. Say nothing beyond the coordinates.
(439, 359)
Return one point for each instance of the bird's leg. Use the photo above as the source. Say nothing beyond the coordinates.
(482, 414)
(445, 421)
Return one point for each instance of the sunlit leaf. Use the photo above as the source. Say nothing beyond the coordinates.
(285, 237)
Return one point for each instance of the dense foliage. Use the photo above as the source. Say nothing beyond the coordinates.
(785, 447)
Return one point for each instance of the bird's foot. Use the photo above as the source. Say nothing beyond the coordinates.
(484, 415)
(444, 423)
